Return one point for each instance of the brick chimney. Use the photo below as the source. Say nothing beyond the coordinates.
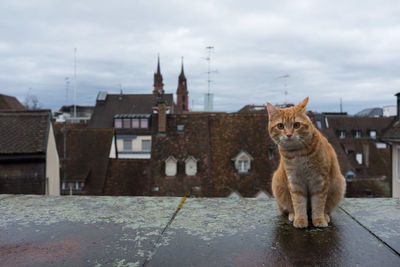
(162, 117)
(398, 106)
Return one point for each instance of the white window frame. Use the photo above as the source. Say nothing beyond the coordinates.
(243, 165)
(171, 168)
(372, 134)
(189, 163)
(359, 158)
(243, 162)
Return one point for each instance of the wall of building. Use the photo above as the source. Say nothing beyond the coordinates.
(52, 166)
(191, 140)
(396, 170)
(22, 178)
(214, 139)
(128, 177)
(136, 143)
(231, 134)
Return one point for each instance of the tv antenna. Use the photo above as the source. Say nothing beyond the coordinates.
(209, 71)
(284, 78)
(75, 83)
(67, 83)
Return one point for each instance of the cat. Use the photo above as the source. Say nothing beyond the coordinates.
(308, 171)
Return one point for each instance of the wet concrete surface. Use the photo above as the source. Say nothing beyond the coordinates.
(142, 231)
(381, 216)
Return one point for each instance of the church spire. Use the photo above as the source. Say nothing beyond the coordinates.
(182, 92)
(158, 80)
(182, 75)
(158, 65)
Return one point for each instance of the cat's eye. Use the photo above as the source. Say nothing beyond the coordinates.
(296, 125)
(280, 126)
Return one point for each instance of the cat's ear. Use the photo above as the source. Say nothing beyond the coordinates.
(272, 110)
(303, 105)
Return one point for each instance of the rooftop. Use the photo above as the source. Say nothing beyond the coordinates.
(10, 102)
(23, 131)
(167, 231)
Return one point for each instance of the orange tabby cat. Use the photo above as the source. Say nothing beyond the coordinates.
(308, 170)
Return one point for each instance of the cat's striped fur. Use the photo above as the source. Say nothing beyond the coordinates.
(308, 177)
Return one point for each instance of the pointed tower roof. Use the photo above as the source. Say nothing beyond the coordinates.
(182, 75)
(182, 71)
(158, 65)
(158, 79)
(182, 93)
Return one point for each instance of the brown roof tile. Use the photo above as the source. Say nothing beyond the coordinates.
(378, 162)
(392, 132)
(24, 132)
(128, 177)
(10, 102)
(104, 111)
(87, 156)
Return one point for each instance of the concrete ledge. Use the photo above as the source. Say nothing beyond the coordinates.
(152, 231)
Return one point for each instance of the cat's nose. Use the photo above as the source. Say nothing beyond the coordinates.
(289, 135)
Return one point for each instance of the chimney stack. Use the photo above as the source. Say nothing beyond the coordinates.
(162, 117)
(398, 106)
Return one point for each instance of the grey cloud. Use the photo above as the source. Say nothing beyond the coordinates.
(330, 49)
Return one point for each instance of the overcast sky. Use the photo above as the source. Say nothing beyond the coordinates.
(327, 50)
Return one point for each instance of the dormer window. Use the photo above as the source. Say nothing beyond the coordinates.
(171, 166)
(357, 133)
(135, 123)
(372, 134)
(243, 162)
(359, 158)
(271, 153)
(118, 123)
(342, 134)
(132, 121)
(126, 123)
(190, 166)
(180, 127)
(144, 123)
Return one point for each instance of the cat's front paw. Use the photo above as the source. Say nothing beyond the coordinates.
(301, 222)
(291, 216)
(327, 218)
(320, 222)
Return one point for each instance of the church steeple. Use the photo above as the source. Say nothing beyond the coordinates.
(158, 80)
(182, 92)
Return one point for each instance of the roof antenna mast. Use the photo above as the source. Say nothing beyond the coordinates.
(208, 58)
(75, 83)
(341, 106)
(209, 48)
(208, 98)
